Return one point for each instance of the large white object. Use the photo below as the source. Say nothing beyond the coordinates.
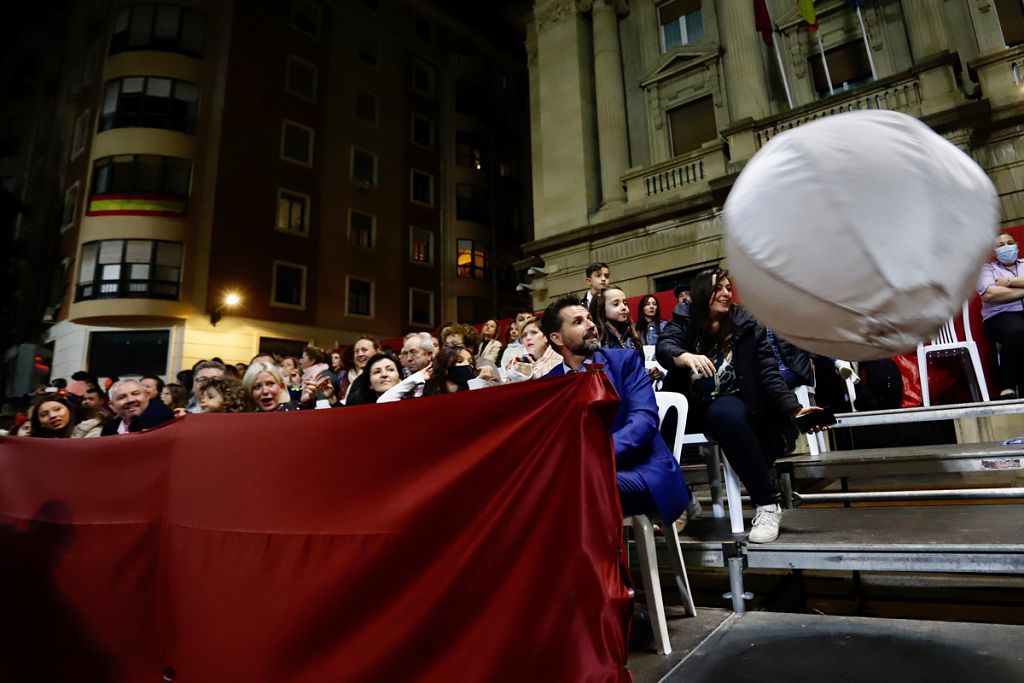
(859, 235)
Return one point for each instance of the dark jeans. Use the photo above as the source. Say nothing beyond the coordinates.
(727, 421)
(1007, 330)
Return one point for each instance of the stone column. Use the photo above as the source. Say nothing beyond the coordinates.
(648, 38)
(744, 72)
(609, 92)
(926, 27)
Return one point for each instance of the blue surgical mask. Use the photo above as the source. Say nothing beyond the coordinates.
(1007, 254)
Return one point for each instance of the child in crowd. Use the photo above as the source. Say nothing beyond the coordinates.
(222, 395)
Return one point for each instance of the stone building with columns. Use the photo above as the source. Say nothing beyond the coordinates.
(643, 113)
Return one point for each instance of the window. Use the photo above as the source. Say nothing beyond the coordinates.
(848, 65)
(148, 102)
(691, 125)
(288, 285)
(292, 212)
(360, 296)
(421, 246)
(469, 149)
(145, 352)
(364, 167)
(139, 184)
(471, 203)
(1011, 20)
(682, 22)
(368, 50)
(129, 269)
(80, 134)
(151, 26)
(366, 107)
(300, 78)
(423, 29)
(296, 143)
(362, 229)
(471, 260)
(423, 79)
(70, 211)
(422, 131)
(306, 18)
(421, 189)
(421, 307)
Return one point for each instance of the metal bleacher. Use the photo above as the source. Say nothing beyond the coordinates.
(907, 537)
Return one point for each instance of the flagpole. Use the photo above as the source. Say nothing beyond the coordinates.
(867, 45)
(778, 58)
(824, 62)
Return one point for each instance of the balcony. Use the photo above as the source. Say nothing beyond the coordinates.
(1001, 75)
(681, 176)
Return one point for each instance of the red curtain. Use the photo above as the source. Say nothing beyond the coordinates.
(469, 537)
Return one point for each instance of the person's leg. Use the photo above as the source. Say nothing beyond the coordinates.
(726, 421)
(1007, 329)
(633, 494)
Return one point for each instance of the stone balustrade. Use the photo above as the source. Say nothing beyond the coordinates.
(684, 175)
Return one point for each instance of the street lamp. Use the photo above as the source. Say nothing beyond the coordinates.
(231, 299)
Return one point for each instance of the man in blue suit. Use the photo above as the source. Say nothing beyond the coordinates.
(647, 474)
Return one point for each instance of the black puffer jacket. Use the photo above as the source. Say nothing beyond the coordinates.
(761, 387)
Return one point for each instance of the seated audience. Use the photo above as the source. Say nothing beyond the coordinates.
(1001, 286)
(222, 395)
(648, 320)
(381, 374)
(610, 313)
(450, 372)
(490, 346)
(513, 344)
(201, 373)
(154, 385)
(460, 335)
(135, 411)
(417, 352)
(364, 349)
(720, 357)
(337, 363)
(539, 358)
(264, 389)
(174, 397)
(53, 417)
(648, 477)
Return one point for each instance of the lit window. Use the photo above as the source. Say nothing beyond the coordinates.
(289, 285)
(421, 246)
(471, 259)
(128, 269)
(682, 22)
(421, 307)
(292, 212)
(300, 78)
(421, 189)
(364, 167)
(296, 143)
(469, 150)
(139, 184)
(360, 297)
(361, 228)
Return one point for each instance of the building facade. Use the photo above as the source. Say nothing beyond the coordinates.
(644, 112)
(344, 167)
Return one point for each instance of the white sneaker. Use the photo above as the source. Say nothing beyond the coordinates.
(766, 524)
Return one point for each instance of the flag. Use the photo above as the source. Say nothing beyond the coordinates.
(143, 204)
(763, 22)
(806, 10)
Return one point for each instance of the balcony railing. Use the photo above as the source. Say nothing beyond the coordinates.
(683, 175)
(1001, 75)
(127, 289)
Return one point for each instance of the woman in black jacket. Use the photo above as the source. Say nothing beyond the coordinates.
(720, 357)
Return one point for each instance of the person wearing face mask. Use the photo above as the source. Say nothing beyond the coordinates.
(450, 372)
(1001, 287)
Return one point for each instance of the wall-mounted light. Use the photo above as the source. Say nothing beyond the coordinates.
(523, 288)
(534, 271)
(231, 299)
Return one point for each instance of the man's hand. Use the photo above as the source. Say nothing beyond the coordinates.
(806, 411)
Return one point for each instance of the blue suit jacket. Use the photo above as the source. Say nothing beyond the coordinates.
(638, 443)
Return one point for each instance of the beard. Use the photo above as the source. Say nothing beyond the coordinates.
(586, 347)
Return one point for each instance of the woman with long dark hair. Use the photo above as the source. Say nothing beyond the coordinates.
(649, 324)
(53, 417)
(720, 357)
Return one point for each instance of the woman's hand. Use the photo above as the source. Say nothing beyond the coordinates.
(807, 411)
(654, 374)
(485, 372)
(308, 392)
(700, 366)
(326, 387)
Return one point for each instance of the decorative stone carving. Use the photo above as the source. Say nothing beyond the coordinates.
(621, 6)
(553, 14)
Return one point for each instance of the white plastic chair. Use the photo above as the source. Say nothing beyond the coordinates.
(946, 344)
(647, 554)
(651, 362)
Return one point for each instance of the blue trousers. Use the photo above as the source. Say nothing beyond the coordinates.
(727, 421)
(633, 494)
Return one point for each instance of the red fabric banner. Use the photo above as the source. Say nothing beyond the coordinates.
(474, 537)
